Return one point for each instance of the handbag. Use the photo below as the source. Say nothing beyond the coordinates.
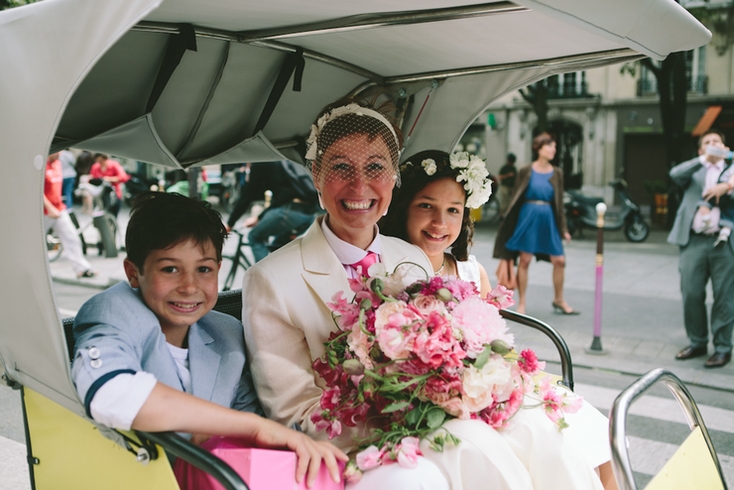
(261, 469)
(506, 274)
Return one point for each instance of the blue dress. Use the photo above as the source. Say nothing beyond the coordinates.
(536, 231)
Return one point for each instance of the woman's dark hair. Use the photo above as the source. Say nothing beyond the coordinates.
(540, 141)
(415, 179)
(159, 221)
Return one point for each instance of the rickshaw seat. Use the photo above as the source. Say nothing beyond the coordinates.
(693, 465)
(67, 445)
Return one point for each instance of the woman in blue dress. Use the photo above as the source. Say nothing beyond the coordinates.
(535, 222)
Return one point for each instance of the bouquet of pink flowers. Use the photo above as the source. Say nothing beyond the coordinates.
(406, 358)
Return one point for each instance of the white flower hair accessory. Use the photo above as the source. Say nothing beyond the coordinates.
(351, 108)
(474, 174)
(429, 165)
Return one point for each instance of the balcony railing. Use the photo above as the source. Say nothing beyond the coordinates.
(575, 91)
(696, 85)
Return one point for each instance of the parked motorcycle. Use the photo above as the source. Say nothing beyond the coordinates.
(581, 213)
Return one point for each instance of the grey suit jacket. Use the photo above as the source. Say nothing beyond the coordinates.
(690, 175)
(115, 332)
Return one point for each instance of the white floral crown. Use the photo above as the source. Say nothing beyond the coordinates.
(351, 108)
(471, 170)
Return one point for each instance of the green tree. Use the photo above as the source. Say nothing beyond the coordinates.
(536, 95)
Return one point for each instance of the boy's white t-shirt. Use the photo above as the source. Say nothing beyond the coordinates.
(119, 400)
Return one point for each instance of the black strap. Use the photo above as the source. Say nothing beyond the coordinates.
(177, 46)
(293, 61)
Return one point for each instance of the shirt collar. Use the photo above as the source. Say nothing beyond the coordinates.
(718, 165)
(346, 252)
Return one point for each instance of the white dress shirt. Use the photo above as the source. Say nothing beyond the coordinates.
(348, 253)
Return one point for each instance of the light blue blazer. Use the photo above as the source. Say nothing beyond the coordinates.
(115, 332)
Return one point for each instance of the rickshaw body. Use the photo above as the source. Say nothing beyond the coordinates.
(182, 83)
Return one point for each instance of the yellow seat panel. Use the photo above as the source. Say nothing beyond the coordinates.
(690, 467)
(73, 454)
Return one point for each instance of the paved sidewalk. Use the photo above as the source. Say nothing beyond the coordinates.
(642, 317)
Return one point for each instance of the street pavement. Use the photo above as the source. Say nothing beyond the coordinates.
(641, 329)
(642, 316)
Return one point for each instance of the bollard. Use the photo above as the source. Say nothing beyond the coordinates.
(596, 347)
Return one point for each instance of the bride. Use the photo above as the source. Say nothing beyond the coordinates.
(353, 150)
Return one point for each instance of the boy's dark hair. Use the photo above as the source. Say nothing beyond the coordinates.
(159, 221)
(511, 158)
(711, 131)
(415, 179)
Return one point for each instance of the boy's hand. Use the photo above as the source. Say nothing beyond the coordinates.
(310, 453)
(717, 191)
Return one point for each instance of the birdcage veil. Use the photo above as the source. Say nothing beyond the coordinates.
(352, 139)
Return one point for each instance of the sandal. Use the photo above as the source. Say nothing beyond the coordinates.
(87, 274)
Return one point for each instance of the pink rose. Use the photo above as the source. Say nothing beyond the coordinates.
(427, 304)
(385, 311)
(455, 406)
(394, 343)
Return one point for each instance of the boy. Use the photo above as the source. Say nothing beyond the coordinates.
(142, 350)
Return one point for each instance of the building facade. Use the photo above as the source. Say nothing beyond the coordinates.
(608, 121)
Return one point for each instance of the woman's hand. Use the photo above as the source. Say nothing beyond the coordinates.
(717, 191)
(567, 237)
(310, 453)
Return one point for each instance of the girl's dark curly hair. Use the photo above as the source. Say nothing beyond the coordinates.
(414, 179)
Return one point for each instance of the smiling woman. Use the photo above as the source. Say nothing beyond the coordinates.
(353, 148)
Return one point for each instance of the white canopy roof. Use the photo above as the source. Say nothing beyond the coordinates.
(185, 82)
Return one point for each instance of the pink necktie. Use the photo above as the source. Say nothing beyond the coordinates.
(365, 263)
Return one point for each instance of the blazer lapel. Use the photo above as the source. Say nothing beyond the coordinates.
(392, 257)
(203, 362)
(322, 270)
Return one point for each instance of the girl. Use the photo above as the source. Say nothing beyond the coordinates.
(431, 210)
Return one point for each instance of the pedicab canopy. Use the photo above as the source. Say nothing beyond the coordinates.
(191, 82)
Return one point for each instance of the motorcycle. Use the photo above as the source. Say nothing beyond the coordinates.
(581, 213)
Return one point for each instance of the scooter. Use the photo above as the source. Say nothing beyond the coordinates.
(581, 213)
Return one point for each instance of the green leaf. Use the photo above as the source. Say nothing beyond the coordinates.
(435, 417)
(483, 357)
(412, 417)
(394, 407)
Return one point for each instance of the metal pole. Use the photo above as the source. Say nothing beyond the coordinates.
(596, 347)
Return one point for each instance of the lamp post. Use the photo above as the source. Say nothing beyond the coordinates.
(596, 347)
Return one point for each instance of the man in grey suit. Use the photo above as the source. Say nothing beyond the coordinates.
(700, 261)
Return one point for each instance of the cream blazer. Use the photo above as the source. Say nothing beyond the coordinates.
(287, 321)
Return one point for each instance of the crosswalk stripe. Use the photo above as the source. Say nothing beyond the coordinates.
(658, 408)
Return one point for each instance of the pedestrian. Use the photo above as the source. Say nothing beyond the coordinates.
(68, 172)
(507, 177)
(292, 209)
(111, 171)
(535, 222)
(55, 216)
(700, 261)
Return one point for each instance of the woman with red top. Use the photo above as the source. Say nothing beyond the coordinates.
(112, 172)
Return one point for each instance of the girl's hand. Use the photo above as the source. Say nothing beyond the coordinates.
(310, 453)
